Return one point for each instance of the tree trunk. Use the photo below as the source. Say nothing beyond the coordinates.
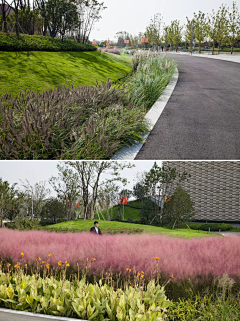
(231, 49)
(199, 47)
(213, 46)
(17, 23)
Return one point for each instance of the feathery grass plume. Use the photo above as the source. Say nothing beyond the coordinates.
(154, 72)
(199, 260)
(79, 123)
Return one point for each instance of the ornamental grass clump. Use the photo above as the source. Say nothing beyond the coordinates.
(68, 123)
(152, 74)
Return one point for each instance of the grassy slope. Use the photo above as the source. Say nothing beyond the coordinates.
(128, 211)
(81, 225)
(39, 71)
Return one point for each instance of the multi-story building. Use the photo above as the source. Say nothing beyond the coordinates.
(214, 187)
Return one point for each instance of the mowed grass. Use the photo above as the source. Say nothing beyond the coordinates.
(40, 71)
(86, 225)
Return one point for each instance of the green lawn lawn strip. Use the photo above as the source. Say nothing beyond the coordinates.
(40, 71)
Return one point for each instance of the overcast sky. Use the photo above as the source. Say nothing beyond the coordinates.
(134, 15)
(36, 171)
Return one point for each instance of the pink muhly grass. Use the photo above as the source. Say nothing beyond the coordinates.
(114, 51)
(184, 258)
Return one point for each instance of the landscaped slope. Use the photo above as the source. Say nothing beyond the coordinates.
(40, 71)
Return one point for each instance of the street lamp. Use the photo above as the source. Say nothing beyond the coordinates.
(193, 26)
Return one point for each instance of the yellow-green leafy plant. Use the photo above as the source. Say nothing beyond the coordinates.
(81, 299)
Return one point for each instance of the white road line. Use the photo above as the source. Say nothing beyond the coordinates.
(152, 116)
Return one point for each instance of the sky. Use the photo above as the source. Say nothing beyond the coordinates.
(36, 171)
(134, 15)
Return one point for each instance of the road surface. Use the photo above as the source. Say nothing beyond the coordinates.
(202, 117)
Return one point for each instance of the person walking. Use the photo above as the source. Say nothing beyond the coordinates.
(96, 229)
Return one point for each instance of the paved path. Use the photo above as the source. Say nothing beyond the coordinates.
(227, 57)
(12, 315)
(232, 234)
(18, 317)
(202, 118)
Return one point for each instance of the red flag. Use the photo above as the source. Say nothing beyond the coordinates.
(167, 199)
(123, 200)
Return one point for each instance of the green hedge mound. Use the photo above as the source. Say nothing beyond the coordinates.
(214, 227)
(40, 43)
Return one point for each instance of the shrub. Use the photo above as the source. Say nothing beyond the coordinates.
(214, 227)
(68, 123)
(122, 230)
(40, 43)
(217, 303)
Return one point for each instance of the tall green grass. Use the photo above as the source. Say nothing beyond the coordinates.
(152, 73)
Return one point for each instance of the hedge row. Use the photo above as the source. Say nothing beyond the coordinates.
(213, 226)
(40, 43)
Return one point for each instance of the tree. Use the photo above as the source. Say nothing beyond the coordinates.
(139, 191)
(217, 26)
(35, 194)
(108, 196)
(9, 198)
(187, 33)
(159, 183)
(147, 212)
(175, 33)
(53, 210)
(200, 29)
(88, 178)
(222, 26)
(233, 19)
(89, 12)
(67, 188)
(154, 30)
(179, 209)
(16, 4)
(60, 16)
(121, 37)
(5, 10)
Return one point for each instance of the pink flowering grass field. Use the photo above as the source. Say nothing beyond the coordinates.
(114, 51)
(184, 258)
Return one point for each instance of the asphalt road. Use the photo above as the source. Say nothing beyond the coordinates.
(202, 117)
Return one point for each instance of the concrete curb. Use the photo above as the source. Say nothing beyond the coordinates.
(36, 315)
(152, 116)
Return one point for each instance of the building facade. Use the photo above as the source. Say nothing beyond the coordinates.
(214, 187)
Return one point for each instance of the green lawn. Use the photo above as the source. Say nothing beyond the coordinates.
(40, 71)
(83, 225)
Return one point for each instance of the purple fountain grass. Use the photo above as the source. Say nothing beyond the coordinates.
(184, 258)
